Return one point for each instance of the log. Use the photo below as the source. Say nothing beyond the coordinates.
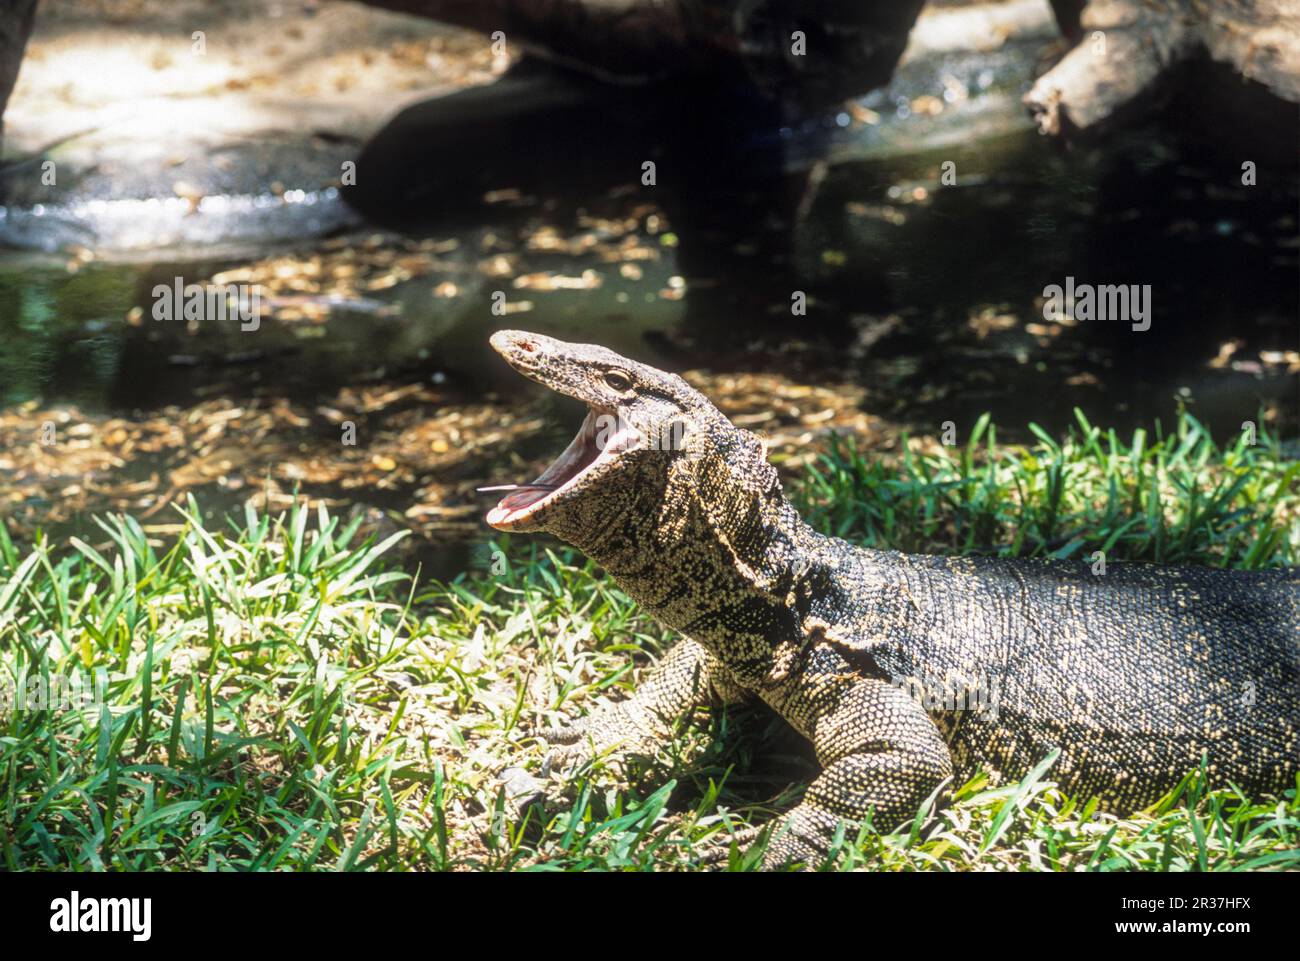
(849, 46)
(16, 19)
(1128, 47)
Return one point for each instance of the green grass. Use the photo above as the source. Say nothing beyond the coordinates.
(278, 695)
(1174, 499)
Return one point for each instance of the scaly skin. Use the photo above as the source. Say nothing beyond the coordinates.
(905, 670)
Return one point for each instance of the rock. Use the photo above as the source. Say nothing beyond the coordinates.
(522, 790)
(1127, 47)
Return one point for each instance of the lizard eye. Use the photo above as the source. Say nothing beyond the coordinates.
(617, 380)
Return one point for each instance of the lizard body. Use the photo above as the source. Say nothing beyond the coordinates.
(902, 670)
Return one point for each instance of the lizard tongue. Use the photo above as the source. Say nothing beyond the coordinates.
(513, 503)
(522, 498)
(577, 457)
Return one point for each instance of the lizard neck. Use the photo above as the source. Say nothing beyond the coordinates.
(712, 548)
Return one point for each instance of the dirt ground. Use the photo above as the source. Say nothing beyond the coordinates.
(153, 97)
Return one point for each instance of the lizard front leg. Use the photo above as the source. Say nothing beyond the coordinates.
(687, 677)
(880, 754)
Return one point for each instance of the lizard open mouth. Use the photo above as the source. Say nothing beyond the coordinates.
(588, 453)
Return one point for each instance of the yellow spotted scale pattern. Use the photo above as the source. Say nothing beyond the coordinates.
(906, 670)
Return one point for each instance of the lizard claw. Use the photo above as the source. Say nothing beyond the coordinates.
(614, 733)
(800, 838)
(562, 757)
(567, 733)
(715, 854)
(567, 746)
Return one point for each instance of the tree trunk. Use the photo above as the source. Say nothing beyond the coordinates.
(16, 18)
(1127, 46)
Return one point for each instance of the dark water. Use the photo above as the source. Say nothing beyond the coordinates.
(902, 274)
(1151, 208)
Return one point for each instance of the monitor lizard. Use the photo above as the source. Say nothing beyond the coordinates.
(902, 670)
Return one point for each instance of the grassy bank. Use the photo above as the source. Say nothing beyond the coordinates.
(275, 694)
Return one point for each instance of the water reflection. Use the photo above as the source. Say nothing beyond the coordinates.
(922, 296)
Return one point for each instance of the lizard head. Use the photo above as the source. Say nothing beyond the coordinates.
(639, 421)
(657, 481)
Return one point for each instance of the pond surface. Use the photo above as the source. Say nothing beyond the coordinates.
(924, 305)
